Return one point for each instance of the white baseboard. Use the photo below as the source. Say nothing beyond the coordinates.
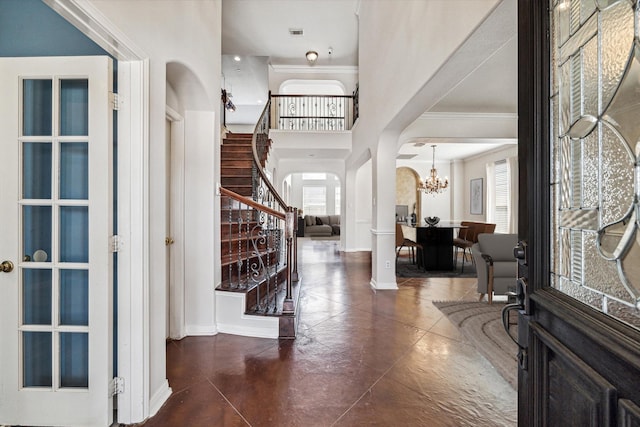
(159, 397)
(201, 330)
(388, 286)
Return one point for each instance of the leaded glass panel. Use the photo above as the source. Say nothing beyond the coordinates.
(595, 143)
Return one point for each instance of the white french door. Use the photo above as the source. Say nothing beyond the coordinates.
(56, 209)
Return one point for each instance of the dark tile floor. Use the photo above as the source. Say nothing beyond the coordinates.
(362, 358)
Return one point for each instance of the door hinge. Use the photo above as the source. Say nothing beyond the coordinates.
(117, 386)
(114, 100)
(115, 243)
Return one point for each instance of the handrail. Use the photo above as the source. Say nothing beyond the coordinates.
(263, 128)
(279, 95)
(253, 204)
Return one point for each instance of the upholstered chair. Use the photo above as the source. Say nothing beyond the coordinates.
(497, 267)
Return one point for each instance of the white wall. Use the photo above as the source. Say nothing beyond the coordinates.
(348, 76)
(362, 207)
(185, 33)
(475, 167)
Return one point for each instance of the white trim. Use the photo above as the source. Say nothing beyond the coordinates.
(315, 69)
(133, 258)
(388, 286)
(376, 232)
(93, 24)
(358, 250)
(468, 116)
(172, 115)
(200, 330)
(230, 317)
(159, 397)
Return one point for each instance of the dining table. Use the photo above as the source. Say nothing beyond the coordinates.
(437, 244)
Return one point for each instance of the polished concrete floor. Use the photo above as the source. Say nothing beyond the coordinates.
(362, 358)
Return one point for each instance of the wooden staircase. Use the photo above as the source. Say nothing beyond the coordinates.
(252, 267)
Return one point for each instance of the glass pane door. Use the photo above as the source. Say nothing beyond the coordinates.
(56, 126)
(55, 233)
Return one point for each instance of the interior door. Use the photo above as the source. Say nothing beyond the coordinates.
(579, 109)
(56, 320)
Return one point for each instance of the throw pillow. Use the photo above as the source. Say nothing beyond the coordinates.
(310, 220)
(318, 221)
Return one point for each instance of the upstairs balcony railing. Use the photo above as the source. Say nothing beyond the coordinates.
(313, 112)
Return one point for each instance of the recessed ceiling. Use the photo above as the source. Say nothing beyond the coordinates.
(262, 28)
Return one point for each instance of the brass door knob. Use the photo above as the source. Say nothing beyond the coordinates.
(168, 241)
(6, 266)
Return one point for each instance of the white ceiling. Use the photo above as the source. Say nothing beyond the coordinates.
(258, 32)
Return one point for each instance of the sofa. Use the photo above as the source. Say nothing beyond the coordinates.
(321, 225)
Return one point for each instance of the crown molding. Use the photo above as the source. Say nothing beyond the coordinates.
(314, 69)
(468, 116)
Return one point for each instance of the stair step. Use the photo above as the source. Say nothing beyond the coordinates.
(236, 170)
(231, 135)
(236, 155)
(230, 181)
(232, 148)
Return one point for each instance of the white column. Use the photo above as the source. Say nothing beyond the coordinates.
(383, 272)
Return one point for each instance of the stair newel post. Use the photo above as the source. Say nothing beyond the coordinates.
(294, 267)
(290, 220)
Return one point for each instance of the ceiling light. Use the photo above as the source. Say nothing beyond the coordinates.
(312, 55)
(433, 184)
(236, 58)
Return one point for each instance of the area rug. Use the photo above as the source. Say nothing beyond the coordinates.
(481, 324)
(404, 268)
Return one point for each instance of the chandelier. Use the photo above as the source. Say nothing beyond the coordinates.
(433, 184)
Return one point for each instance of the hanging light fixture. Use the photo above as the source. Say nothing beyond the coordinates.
(433, 184)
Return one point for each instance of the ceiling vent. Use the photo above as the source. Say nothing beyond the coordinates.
(405, 156)
(419, 144)
(296, 31)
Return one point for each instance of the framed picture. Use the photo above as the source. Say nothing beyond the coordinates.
(476, 196)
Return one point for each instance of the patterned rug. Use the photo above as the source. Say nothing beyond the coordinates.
(481, 324)
(404, 268)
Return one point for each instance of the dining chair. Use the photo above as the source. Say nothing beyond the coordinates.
(402, 242)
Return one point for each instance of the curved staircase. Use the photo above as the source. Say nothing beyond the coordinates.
(253, 297)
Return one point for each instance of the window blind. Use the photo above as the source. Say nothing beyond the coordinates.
(314, 200)
(502, 197)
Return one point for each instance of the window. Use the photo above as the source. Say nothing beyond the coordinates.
(337, 202)
(314, 200)
(501, 186)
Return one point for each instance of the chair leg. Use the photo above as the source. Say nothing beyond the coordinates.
(464, 256)
(481, 296)
(490, 285)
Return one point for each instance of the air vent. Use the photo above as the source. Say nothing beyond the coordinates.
(419, 144)
(405, 156)
(296, 31)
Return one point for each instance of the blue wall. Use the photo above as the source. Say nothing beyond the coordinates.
(31, 28)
